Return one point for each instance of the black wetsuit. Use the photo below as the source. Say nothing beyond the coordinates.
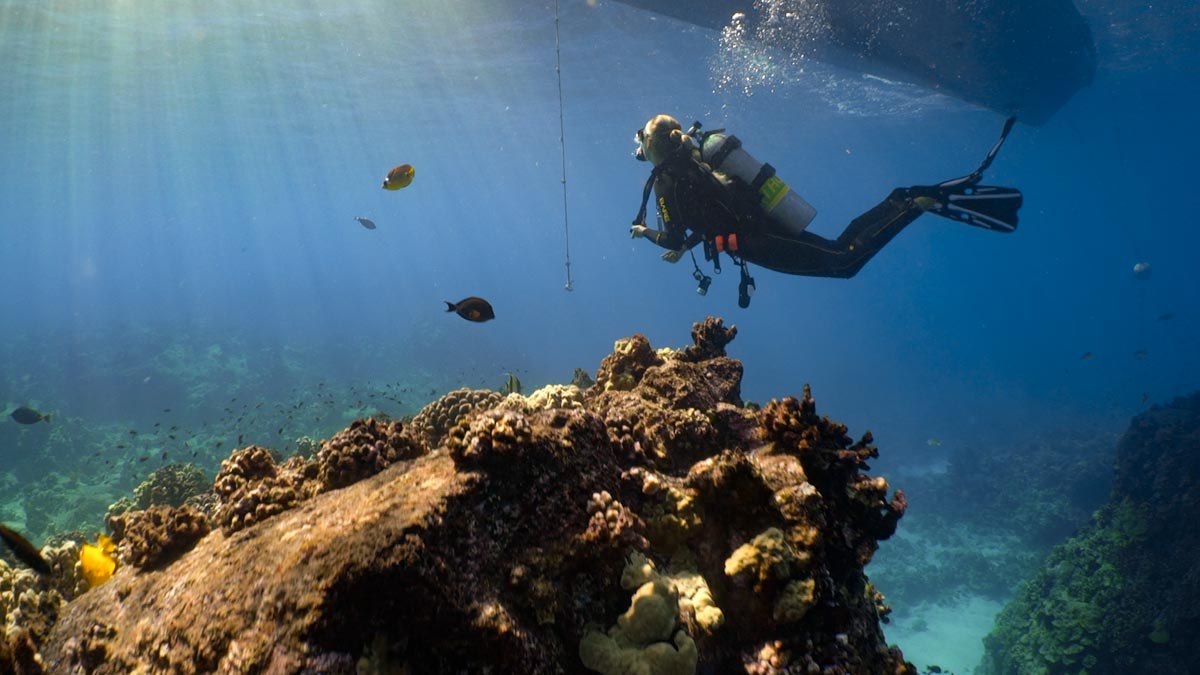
(695, 206)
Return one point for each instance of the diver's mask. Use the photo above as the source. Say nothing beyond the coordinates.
(640, 138)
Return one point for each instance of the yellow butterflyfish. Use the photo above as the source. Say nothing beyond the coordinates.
(399, 177)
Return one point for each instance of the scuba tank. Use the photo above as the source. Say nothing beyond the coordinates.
(724, 154)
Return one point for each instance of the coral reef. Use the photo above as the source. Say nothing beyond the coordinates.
(364, 449)
(556, 396)
(438, 418)
(30, 604)
(155, 536)
(1120, 596)
(709, 338)
(251, 487)
(622, 369)
(658, 526)
(170, 485)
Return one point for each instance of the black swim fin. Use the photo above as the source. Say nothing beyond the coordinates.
(986, 206)
(964, 200)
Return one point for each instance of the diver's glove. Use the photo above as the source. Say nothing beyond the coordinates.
(638, 231)
(673, 256)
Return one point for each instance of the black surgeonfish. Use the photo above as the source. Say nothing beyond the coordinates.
(472, 309)
(26, 415)
(366, 222)
(25, 551)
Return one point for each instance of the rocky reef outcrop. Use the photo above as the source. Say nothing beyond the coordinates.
(1123, 594)
(651, 524)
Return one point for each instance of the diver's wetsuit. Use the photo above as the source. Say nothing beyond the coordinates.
(691, 198)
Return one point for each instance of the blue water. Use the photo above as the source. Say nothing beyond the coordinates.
(188, 174)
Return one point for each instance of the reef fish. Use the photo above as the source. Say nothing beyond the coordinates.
(1088, 356)
(98, 562)
(1166, 317)
(366, 222)
(472, 309)
(26, 415)
(25, 551)
(511, 385)
(399, 177)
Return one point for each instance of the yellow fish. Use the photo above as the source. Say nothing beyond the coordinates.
(933, 442)
(98, 561)
(399, 177)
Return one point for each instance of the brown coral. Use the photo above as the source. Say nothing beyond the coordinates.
(623, 369)
(252, 487)
(613, 524)
(489, 438)
(439, 417)
(363, 449)
(709, 338)
(153, 537)
(170, 485)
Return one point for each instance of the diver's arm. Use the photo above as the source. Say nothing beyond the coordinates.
(663, 238)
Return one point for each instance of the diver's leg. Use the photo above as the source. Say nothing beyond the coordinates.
(812, 255)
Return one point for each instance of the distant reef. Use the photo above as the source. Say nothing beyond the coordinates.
(1123, 594)
(652, 523)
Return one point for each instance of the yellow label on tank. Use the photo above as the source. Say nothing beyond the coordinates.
(772, 192)
(662, 209)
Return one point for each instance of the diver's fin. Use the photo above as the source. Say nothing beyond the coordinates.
(964, 200)
(977, 175)
(986, 206)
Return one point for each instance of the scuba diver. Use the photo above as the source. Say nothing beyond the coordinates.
(712, 192)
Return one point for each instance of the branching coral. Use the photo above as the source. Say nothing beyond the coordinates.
(612, 524)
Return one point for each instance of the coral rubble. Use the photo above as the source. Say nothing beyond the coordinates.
(649, 524)
(1121, 595)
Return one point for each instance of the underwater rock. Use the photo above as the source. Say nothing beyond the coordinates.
(516, 547)
(1122, 595)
